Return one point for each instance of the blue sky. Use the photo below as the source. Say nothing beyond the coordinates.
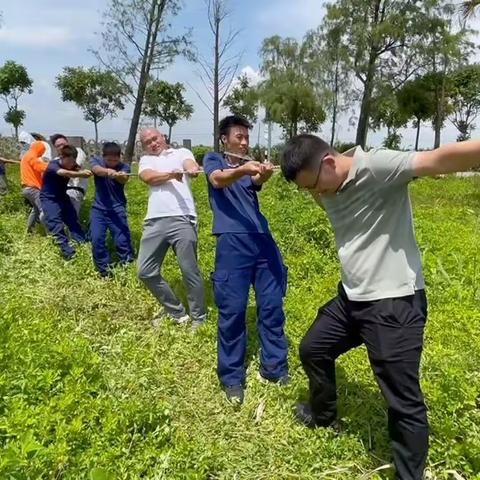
(47, 35)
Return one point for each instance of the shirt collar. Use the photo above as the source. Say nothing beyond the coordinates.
(357, 153)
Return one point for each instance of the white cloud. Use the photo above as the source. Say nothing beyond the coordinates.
(254, 76)
(37, 36)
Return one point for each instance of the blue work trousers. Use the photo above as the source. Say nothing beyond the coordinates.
(116, 221)
(243, 260)
(58, 213)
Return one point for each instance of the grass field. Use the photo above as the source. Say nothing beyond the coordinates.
(90, 390)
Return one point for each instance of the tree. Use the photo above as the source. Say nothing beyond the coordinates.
(416, 99)
(288, 93)
(136, 42)
(386, 112)
(97, 93)
(465, 99)
(381, 38)
(327, 59)
(14, 82)
(445, 47)
(243, 100)
(164, 101)
(217, 74)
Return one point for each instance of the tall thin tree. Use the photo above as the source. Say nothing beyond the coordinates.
(218, 73)
(136, 42)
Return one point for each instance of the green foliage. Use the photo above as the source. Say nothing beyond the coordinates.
(288, 93)
(15, 117)
(14, 82)
(387, 113)
(416, 99)
(243, 100)
(465, 99)
(90, 390)
(380, 39)
(9, 148)
(328, 66)
(165, 101)
(199, 151)
(97, 93)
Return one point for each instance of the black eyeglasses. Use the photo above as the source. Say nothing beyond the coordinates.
(312, 187)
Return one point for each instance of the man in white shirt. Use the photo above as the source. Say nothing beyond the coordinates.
(171, 221)
(77, 187)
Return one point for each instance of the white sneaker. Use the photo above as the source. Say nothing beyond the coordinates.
(161, 316)
(182, 320)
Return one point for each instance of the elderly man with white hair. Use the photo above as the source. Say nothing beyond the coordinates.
(171, 221)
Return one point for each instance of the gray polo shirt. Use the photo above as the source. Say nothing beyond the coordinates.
(371, 215)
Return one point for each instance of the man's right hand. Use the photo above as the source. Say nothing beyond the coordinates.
(252, 168)
(84, 173)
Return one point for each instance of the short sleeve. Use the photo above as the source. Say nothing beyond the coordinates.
(48, 152)
(211, 162)
(391, 167)
(145, 163)
(53, 168)
(95, 162)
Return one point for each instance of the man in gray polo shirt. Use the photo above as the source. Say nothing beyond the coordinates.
(381, 298)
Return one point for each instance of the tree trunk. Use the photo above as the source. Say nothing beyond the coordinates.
(155, 15)
(216, 102)
(16, 131)
(418, 134)
(335, 106)
(362, 128)
(96, 136)
(169, 133)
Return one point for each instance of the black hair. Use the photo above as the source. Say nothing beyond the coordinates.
(68, 152)
(111, 148)
(301, 152)
(232, 121)
(38, 137)
(55, 137)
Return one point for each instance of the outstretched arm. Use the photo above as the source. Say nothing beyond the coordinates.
(74, 173)
(120, 177)
(455, 157)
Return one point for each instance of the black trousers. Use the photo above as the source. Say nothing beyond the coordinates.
(392, 331)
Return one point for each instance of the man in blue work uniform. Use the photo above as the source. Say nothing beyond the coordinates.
(109, 209)
(56, 205)
(246, 254)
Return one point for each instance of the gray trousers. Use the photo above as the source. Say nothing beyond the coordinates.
(76, 197)
(3, 184)
(32, 195)
(180, 233)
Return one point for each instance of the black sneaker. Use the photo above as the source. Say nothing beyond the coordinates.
(304, 415)
(235, 394)
(283, 381)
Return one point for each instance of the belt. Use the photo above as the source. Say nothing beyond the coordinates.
(78, 189)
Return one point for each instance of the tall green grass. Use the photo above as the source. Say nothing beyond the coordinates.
(90, 390)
